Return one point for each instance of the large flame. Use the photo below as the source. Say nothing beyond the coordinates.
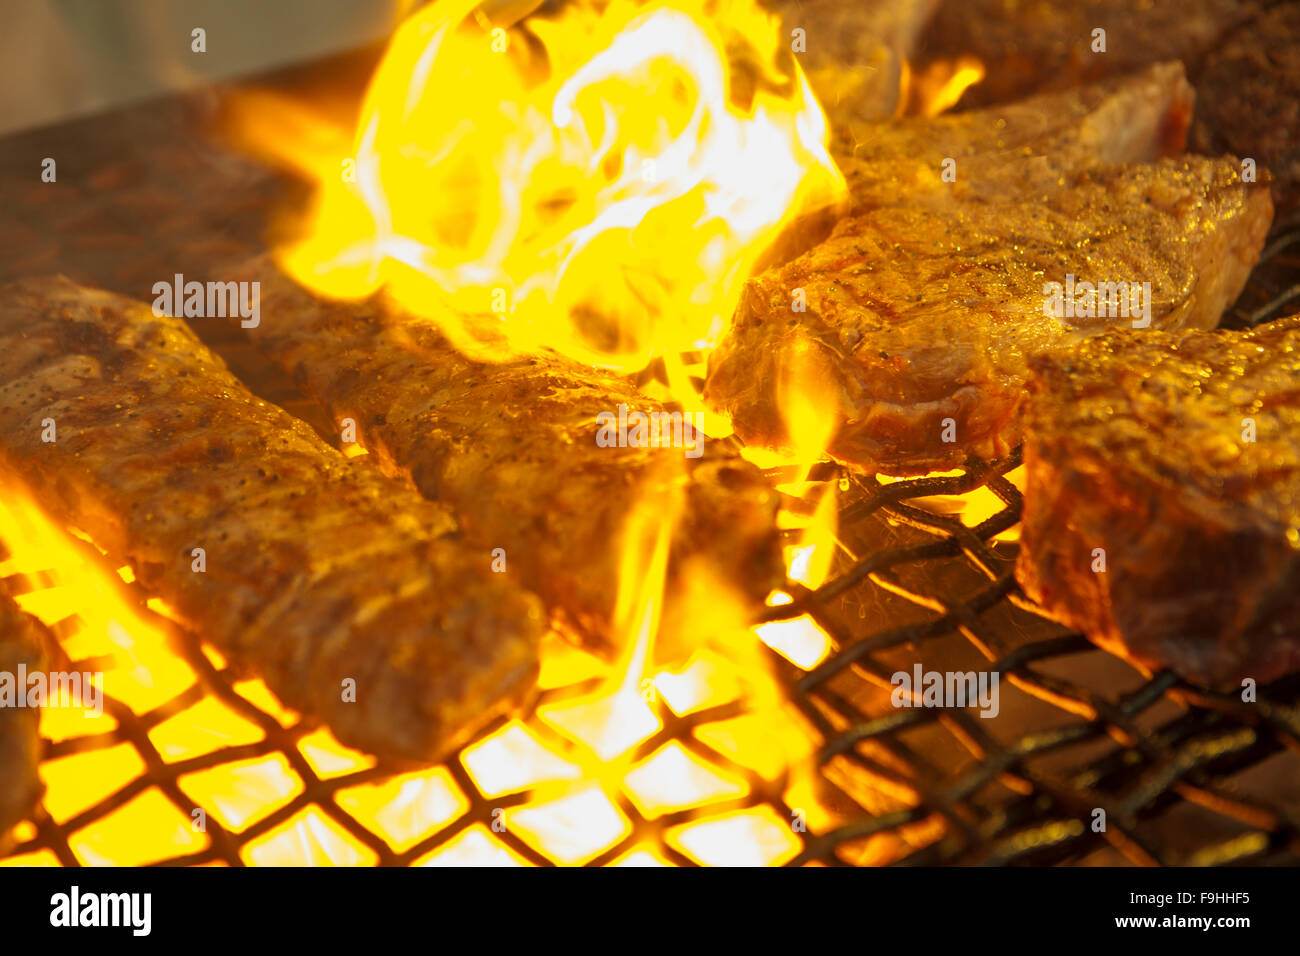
(600, 182)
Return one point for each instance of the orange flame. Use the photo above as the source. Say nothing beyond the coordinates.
(599, 183)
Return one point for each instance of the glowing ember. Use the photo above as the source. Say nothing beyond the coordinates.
(599, 182)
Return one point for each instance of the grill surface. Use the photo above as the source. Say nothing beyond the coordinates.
(1152, 770)
(1183, 776)
(1169, 765)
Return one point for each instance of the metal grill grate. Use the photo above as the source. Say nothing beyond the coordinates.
(1274, 287)
(459, 824)
(1146, 773)
(894, 794)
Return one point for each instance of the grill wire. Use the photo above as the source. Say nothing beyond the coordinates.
(1148, 771)
(1146, 755)
(1191, 758)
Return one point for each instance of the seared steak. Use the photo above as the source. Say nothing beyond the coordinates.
(513, 449)
(1030, 46)
(316, 570)
(1249, 101)
(919, 322)
(1020, 149)
(1178, 456)
(21, 644)
(1002, 153)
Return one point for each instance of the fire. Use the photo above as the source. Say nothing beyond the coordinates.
(595, 756)
(971, 508)
(808, 403)
(941, 85)
(599, 182)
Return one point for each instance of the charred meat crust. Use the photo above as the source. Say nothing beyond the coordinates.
(923, 320)
(318, 569)
(1136, 445)
(23, 642)
(512, 448)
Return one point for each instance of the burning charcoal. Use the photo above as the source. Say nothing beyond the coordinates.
(22, 652)
(918, 323)
(344, 589)
(515, 449)
(1248, 101)
(1031, 46)
(1162, 510)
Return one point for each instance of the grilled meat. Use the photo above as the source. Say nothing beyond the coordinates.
(1020, 149)
(22, 643)
(1249, 101)
(855, 52)
(919, 322)
(1025, 149)
(1177, 455)
(1030, 46)
(512, 448)
(318, 569)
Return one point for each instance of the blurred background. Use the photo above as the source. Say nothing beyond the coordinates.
(64, 58)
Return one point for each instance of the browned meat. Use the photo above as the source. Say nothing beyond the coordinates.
(1019, 149)
(21, 645)
(1001, 153)
(921, 320)
(1029, 46)
(318, 569)
(512, 448)
(1249, 101)
(1138, 445)
(855, 52)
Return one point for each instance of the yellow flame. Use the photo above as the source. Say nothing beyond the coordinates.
(972, 507)
(599, 182)
(809, 403)
(810, 407)
(574, 818)
(587, 754)
(618, 717)
(800, 640)
(943, 83)
(809, 562)
(130, 650)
